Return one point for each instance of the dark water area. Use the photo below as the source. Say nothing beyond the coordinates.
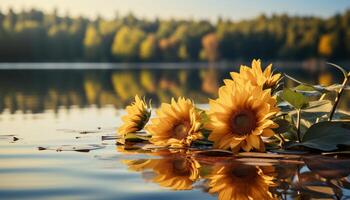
(57, 126)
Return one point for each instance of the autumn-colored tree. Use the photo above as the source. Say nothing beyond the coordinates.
(126, 43)
(210, 49)
(183, 53)
(107, 29)
(92, 43)
(149, 48)
(169, 48)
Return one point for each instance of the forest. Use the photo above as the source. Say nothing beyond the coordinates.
(35, 36)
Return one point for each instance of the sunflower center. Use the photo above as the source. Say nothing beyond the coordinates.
(244, 172)
(243, 122)
(180, 167)
(180, 131)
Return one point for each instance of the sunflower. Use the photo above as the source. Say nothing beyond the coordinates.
(178, 124)
(136, 118)
(240, 182)
(174, 172)
(240, 116)
(256, 76)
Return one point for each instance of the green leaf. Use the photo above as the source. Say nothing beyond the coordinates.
(326, 136)
(307, 90)
(296, 99)
(137, 137)
(316, 109)
(319, 88)
(283, 126)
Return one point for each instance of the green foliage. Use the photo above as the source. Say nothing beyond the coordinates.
(297, 100)
(326, 136)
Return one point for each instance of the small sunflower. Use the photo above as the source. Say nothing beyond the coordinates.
(174, 172)
(256, 76)
(138, 114)
(178, 124)
(240, 116)
(240, 182)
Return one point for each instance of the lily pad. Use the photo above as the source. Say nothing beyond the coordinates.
(78, 148)
(10, 138)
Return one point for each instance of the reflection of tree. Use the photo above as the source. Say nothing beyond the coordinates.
(39, 90)
(210, 80)
(92, 88)
(325, 79)
(148, 80)
(126, 85)
(176, 172)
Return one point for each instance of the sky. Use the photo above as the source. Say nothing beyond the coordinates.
(195, 9)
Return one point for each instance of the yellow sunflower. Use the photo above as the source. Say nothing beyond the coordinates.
(174, 172)
(240, 116)
(177, 124)
(256, 76)
(138, 114)
(240, 182)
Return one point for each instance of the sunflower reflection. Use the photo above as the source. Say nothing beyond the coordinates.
(175, 172)
(240, 182)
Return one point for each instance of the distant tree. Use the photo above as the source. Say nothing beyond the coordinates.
(76, 38)
(166, 28)
(107, 29)
(126, 43)
(92, 44)
(183, 52)
(149, 48)
(32, 35)
(169, 48)
(58, 43)
(210, 49)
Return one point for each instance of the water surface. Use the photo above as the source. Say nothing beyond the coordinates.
(54, 122)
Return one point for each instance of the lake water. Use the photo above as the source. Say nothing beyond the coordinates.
(57, 123)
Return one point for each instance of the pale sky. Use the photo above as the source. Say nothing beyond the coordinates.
(197, 9)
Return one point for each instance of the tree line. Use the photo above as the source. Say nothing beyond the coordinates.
(32, 35)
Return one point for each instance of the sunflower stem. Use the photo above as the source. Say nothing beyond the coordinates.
(298, 124)
(283, 142)
(337, 98)
(320, 99)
